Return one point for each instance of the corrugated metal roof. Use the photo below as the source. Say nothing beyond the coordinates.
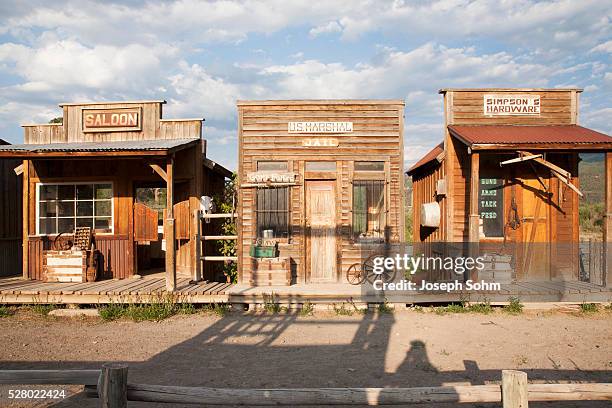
(122, 146)
(505, 134)
(429, 157)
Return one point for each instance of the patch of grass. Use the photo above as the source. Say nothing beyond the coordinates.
(42, 309)
(515, 306)
(5, 311)
(384, 307)
(112, 311)
(343, 310)
(307, 309)
(271, 304)
(608, 307)
(587, 308)
(220, 309)
(417, 308)
(483, 308)
(160, 308)
(452, 308)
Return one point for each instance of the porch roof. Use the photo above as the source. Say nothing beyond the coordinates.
(483, 137)
(158, 147)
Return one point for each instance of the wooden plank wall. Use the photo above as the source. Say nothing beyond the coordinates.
(263, 135)
(153, 127)
(424, 191)
(11, 188)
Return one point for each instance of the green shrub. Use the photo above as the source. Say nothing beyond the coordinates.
(5, 311)
(589, 308)
(514, 307)
(343, 310)
(112, 311)
(484, 307)
(42, 309)
(220, 309)
(307, 309)
(384, 307)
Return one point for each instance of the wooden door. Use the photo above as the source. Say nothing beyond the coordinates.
(145, 223)
(321, 231)
(535, 259)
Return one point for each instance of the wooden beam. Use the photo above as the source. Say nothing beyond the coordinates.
(26, 218)
(19, 169)
(169, 230)
(79, 377)
(608, 223)
(159, 170)
(514, 389)
(113, 386)
(566, 182)
(521, 159)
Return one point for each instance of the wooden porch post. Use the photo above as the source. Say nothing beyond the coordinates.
(169, 231)
(26, 217)
(474, 220)
(608, 223)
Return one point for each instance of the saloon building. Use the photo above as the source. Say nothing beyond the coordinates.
(318, 180)
(506, 180)
(122, 173)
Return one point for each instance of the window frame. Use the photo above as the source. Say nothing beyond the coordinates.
(382, 180)
(287, 212)
(78, 183)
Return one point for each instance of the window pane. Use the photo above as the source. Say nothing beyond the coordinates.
(271, 166)
(370, 166)
(103, 224)
(65, 192)
(84, 192)
(103, 208)
(66, 225)
(84, 208)
(273, 211)
(46, 226)
(66, 208)
(48, 209)
(48, 192)
(153, 197)
(84, 222)
(103, 191)
(320, 166)
(369, 218)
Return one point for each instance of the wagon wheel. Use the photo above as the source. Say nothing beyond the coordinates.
(60, 244)
(354, 275)
(368, 271)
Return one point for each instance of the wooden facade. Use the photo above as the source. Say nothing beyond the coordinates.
(320, 153)
(10, 220)
(534, 173)
(148, 153)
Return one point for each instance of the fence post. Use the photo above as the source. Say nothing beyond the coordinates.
(514, 389)
(112, 386)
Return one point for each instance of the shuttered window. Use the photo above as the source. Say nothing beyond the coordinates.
(273, 211)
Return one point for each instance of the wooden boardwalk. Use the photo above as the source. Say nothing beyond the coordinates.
(17, 290)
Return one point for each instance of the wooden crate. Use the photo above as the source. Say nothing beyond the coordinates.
(65, 266)
(271, 272)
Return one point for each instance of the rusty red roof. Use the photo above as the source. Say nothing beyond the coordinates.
(432, 155)
(512, 135)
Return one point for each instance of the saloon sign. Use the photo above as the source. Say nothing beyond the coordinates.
(111, 120)
(511, 105)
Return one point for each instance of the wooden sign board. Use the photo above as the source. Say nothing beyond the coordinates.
(511, 105)
(112, 120)
(270, 177)
(320, 142)
(320, 127)
(491, 206)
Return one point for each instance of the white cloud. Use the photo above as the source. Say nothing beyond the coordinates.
(328, 28)
(605, 47)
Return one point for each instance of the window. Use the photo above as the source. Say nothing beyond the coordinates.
(272, 166)
(369, 216)
(155, 198)
(369, 166)
(273, 211)
(320, 166)
(63, 207)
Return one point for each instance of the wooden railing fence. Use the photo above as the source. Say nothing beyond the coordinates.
(110, 385)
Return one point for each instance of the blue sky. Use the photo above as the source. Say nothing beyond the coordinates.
(201, 56)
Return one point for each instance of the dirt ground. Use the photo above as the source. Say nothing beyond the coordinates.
(402, 349)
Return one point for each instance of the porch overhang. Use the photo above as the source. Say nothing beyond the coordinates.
(92, 150)
(548, 137)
